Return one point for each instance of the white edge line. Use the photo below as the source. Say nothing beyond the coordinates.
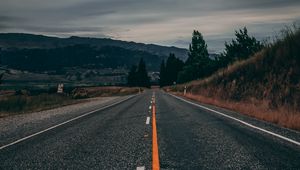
(148, 120)
(60, 124)
(140, 168)
(242, 122)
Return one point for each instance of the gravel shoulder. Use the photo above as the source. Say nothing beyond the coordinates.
(18, 126)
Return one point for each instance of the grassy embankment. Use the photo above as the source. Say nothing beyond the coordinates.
(266, 86)
(24, 102)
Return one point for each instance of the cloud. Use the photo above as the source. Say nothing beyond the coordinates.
(167, 22)
(59, 29)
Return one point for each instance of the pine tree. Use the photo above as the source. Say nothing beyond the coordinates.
(1, 74)
(241, 48)
(198, 63)
(132, 76)
(138, 76)
(169, 71)
(197, 50)
(142, 75)
(162, 74)
(173, 66)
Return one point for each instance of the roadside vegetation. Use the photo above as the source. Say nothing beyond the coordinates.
(200, 65)
(18, 104)
(170, 70)
(1, 76)
(262, 81)
(26, 101)
(90, 92)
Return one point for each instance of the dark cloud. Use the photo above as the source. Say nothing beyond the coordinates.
(258, 4)
(167, 22)
(6, 18)
(3, 27)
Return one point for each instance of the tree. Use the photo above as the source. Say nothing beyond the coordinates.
(187, 74)
(162, 74)
(138, 76)
(197, 49)
(198, 63)
(173, 67)
(241, 48)
(132, 76)
(143, 79)
(169, 71)
(1, 76)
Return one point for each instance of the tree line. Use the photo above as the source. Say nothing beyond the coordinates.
(170, 70)
(138, 75)
(200, 65)
(1, 76)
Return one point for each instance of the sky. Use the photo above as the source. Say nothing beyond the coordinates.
(164, 22)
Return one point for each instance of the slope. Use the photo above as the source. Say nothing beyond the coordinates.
(265, 86)
(21, 40)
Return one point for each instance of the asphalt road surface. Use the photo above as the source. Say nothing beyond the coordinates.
(188, 137)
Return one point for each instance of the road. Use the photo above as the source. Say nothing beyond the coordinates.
(188, 137)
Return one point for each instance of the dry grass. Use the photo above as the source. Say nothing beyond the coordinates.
(11, 104)
(231, 69)
(282, 116)
(111, 91)
(265, 86)
(19, 104)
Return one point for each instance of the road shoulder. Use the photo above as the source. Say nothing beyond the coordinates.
(18, 126)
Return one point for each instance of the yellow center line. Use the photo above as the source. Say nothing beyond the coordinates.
(155, 156)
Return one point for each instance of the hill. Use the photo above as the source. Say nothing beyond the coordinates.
(74, 65)
(28, 58)
(265, 86)
(29, 41)
(84, 56)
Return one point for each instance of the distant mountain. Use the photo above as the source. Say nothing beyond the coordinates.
(80, 56)
(30, 41)
(36, 58)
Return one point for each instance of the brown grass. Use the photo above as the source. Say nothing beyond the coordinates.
(265, 86)
(282, 116)
(11, 104)
(20, 104)
(111, 91)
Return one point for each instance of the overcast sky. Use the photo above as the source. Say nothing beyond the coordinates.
(166, 22)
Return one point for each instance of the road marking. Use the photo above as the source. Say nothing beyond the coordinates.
(65, 122)
(147, 120)
(240, 121)
(140, 168)
(155, 156)
(150, 107)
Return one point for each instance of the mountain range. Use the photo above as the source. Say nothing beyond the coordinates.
(26, 57)
(30, 41)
